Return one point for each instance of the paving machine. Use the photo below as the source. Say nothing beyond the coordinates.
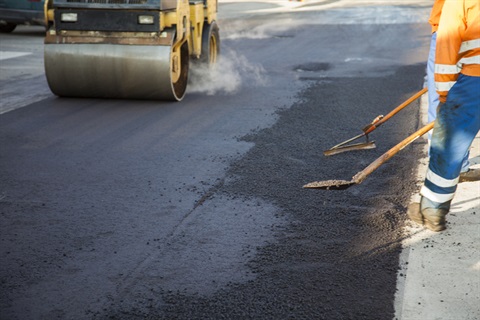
(135, 49)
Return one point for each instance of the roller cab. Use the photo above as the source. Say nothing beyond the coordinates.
(134, 49)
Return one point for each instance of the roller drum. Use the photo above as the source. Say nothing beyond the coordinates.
(112, 71)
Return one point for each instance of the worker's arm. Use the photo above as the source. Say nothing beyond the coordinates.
(435, 14)
(449, 40)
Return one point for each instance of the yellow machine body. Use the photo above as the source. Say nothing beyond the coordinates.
(138, 49)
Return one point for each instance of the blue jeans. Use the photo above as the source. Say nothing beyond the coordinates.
(433, 100)
(432, 93)
(456, 125)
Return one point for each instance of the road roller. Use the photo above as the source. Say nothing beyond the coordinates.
(132, 49)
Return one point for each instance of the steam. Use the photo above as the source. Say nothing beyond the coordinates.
(240, 30)
(227, 76)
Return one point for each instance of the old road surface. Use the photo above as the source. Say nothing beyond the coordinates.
(120, 209)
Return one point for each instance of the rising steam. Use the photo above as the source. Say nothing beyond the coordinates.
(227, 76)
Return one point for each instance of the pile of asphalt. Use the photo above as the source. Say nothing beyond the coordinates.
(337, 256)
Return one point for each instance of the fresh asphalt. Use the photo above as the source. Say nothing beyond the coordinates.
(194, 210)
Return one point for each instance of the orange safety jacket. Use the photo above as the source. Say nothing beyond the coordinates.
(435, 14)
(458, 44)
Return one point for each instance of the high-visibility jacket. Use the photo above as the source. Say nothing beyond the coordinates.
(435, 14)
(458, 44)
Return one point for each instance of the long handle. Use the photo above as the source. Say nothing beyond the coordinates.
(347, 141)
(382, 119)
(359, 177)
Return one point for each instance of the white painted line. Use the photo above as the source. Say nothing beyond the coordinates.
(12, 54)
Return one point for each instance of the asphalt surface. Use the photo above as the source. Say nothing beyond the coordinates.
(115, 209)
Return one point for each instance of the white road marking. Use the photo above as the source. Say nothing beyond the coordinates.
(12, 54)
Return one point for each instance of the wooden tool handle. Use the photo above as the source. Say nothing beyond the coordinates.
(359, 177)
(375, 124)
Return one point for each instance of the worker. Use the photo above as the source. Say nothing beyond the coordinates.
(432, 93)
(457, 80)
(465, 174)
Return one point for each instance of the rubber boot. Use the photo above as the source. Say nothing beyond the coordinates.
(429, 213)
(470, 175)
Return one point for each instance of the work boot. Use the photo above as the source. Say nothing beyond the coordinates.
(413, 212)
(434, 219)
(470, 175)
(428, 213)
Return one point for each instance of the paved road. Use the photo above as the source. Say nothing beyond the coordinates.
(193, 210)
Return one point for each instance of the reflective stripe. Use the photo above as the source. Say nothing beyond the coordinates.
(469, 45)
(444, 86)
(447, 69)
(470, 60)
(436, 197)
(441, 182)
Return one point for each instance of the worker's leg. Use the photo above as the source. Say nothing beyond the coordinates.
(433, 100)
(457, 124)
(432, 93)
